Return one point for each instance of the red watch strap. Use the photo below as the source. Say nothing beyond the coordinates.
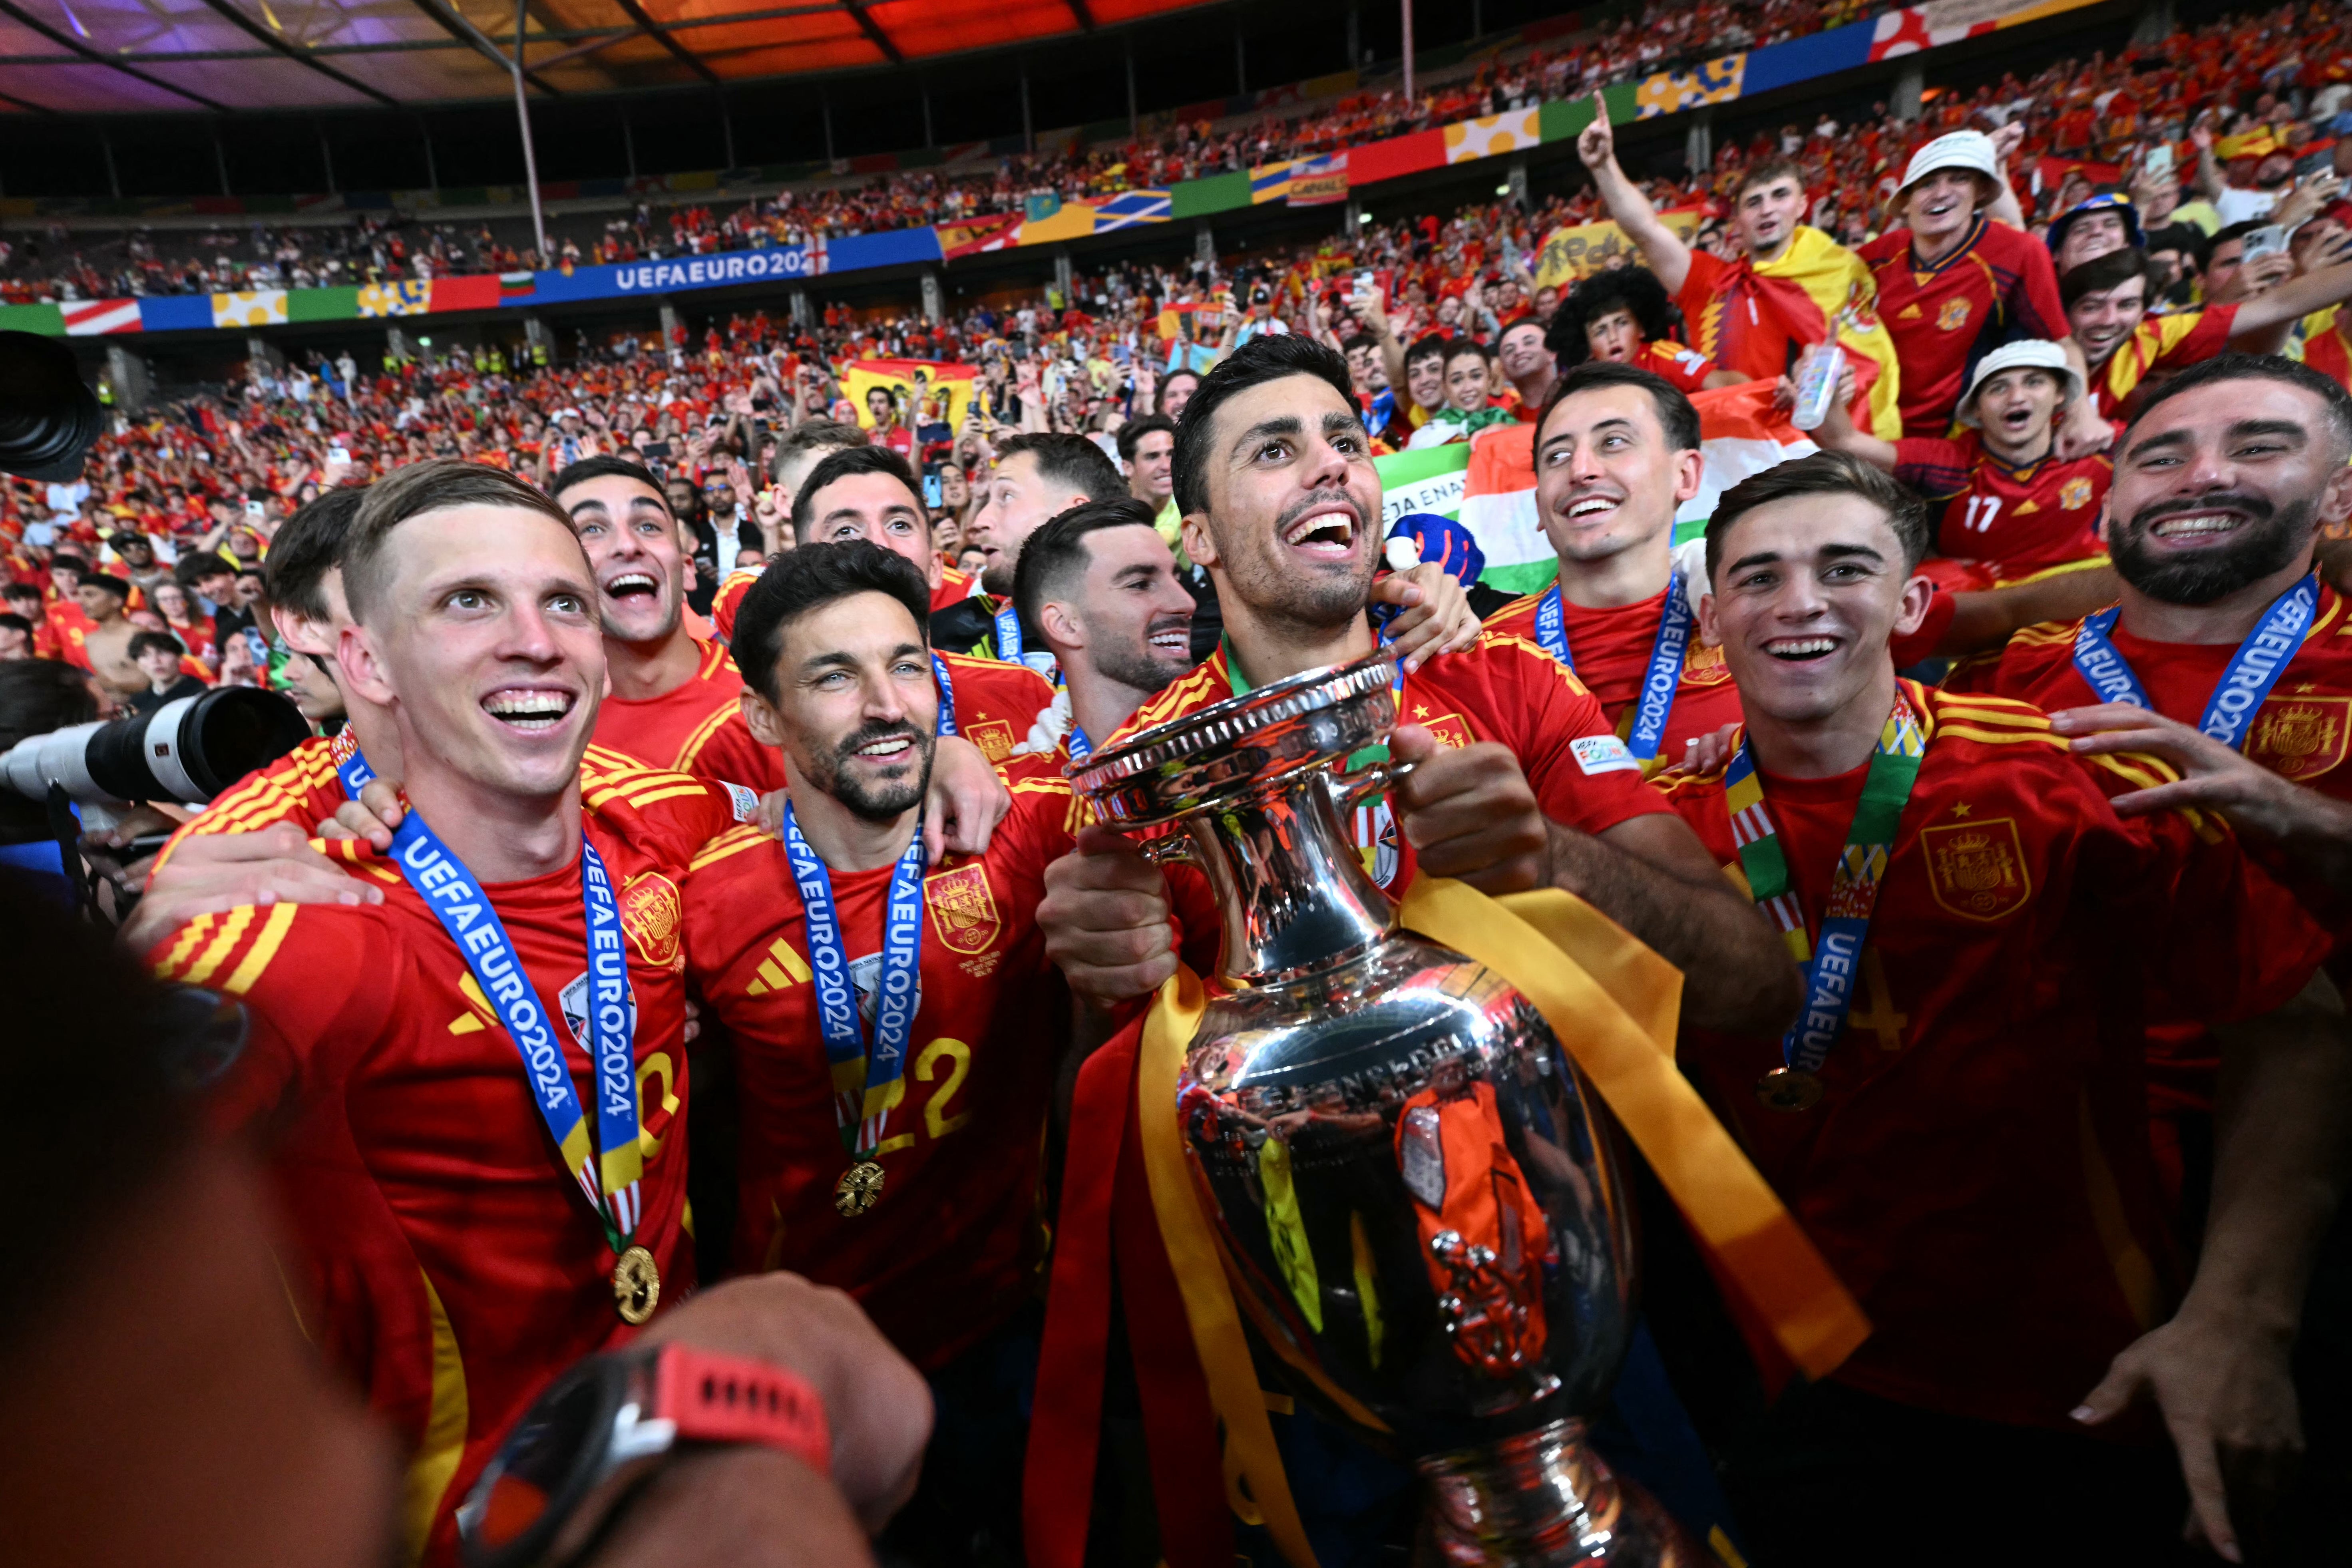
(732, 1399)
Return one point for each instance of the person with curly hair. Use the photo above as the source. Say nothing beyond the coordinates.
(1623, 314)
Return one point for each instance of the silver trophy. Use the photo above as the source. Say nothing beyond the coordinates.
(1419, 1189)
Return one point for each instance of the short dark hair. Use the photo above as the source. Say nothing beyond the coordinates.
(2252, 367)
(20, 591)
(1069, 460)
(39, 695)
(434, 485)
(312, 543)
(1058, 548)
(810, 434)
(1430, 345)
(1267, 357)
(1355, 340)
(12, 622)
(2184, 238)
(841, 465)
(2101, 273)
(1677, 415)
(809, 578)
(1634, 289)
(2238, 230)
(142, 641)
(1131, 433)
(1463, 348)
(1764, 172)
(191, 570)
(105, 584)
(603, 466)
(1825, 474)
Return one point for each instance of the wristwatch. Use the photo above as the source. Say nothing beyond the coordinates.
(623, 1411)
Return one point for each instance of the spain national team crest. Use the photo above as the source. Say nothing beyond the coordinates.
(1977, 869)
(1450, 729)
(1704, 665)
(994, 738)
(1953, 316)
(2300, 738)
(650, 915)
(2074, 494)
(962, 910)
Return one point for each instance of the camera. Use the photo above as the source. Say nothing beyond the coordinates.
(47, 418)
(188, 750)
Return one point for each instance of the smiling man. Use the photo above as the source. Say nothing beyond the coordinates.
(1982, 938)
(671, 690)
(892, 1017)
(2107, 305)
(1616, 453)
(486, 1025)
(2013, 509)
(1961, 278)
(1037, 477)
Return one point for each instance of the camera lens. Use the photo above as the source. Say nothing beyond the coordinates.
(193, 749)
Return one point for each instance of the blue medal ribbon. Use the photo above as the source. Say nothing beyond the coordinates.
(1008, 632)
(2260, 660)
(1668, 646)
(946, 725)
(863, 1080)
(611, 1183)
(1080, 747)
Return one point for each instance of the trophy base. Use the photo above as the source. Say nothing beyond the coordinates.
(1542, 1499)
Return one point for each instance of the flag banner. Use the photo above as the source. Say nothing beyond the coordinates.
(1270, 182)
(1578, 251)
(96, 318)
(926, 391)
(250, 308)
(1321, 181)
(1514, 132)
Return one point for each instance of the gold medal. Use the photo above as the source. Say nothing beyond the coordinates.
(859, 1187)
(1789, 1089)
(637, 1284)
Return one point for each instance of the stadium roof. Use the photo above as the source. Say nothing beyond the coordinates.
(144, 55)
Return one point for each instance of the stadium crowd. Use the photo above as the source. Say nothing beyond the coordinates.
(2018, 714)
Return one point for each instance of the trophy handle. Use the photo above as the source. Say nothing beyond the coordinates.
(1350, 790)
(1174, 849)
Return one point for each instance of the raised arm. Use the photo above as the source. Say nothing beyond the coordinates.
(1838, 432)
(2294, 300)
(1668, 256)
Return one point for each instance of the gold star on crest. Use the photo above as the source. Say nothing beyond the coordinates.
(1420, 710)
(1959, 808)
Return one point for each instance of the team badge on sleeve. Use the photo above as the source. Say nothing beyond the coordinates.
(650, 915)
(1977, 869)
(2300, 738)
(962, 910)
(1602, 754)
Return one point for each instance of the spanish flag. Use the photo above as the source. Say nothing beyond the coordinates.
(1814, 281)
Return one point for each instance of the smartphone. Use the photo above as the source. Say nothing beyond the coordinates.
(656, 450)
(338, 454)
(1364, 282)
(253, 509)
(2159, 159)
(2267, 240)
(932, 494)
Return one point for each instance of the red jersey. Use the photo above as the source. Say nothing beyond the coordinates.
(67, 626)
(2159, 345)
(728, 599)
(1611, 651)
(953, 585)
(1998, 285)
(2008, 523)
(1734, 322)
(1982, 1140)
(1679, 363)
(1502, 688)
(443, 1255)
(995, 704)
(670, 731)
(946, 1253)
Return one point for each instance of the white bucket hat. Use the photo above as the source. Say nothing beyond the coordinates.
(1970, 149)
(2039, 353)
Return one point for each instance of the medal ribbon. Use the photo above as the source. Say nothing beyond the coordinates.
(2261, 659)
(1008, 632)
(862, 1081)
(1668, 645)
(946, 725)
(611, 1183)
(1080, 747)
(1854, 887)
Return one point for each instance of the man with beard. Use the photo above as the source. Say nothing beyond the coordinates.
(1099, 583)
(2228, 479)
(1519, 782)
(1036, 476)
(1616, 453)
(891, 1018)
(687, 507)
(1957, 1118)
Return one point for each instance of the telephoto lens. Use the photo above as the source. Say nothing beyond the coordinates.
(188, 750)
